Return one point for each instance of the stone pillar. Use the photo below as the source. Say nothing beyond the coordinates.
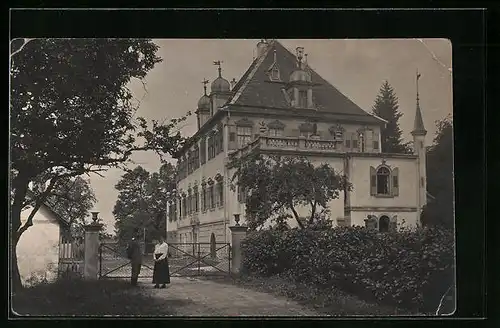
(238, 233)
(91, 260)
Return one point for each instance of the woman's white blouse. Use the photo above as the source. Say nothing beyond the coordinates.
(161, 248)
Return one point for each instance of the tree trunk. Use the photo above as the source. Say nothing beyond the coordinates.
(20, 185)
(297, 217)
(16, 283)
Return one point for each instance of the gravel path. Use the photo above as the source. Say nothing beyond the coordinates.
(207, 298)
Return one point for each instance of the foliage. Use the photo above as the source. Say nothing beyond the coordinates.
(408, 268)
(386, 106)
(142, 202)
(72, 113)
(93, 297)
(440, 177)
(72, 198)
(275, 185)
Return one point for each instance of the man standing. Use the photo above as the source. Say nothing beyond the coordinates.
(134, 253)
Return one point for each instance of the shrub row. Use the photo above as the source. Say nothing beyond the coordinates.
(410, 269)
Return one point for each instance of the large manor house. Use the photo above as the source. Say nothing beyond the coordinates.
(281, 106)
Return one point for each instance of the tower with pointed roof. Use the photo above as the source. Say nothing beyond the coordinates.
(220, 90)
(203, 109)
(419, 150)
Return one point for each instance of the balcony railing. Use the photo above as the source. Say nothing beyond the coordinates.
(290, 143)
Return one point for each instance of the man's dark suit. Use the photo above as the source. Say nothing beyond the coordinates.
(134, 253)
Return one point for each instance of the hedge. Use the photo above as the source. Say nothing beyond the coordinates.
(408, 268)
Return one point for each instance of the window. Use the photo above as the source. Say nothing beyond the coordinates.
(211, 196)
(275, 132)
(211, 152)
(203, 151)
(421, 144)
(275, 74)
(244, 135)
(189, 202)
(184, 206)
(203, 197)
(302, 98)
(180, 208)
(220, 193)
(348, 143)
(196, 199)
(384, 223)
(383, 181)
(196, 157)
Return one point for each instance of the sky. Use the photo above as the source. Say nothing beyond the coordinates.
(356, 67)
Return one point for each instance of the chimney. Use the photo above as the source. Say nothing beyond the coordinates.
(233, 83)
(261, 47)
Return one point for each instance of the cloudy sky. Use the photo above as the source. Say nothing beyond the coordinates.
(355, 67)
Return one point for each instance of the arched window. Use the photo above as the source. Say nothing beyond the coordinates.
(383, 181)
(383, 224)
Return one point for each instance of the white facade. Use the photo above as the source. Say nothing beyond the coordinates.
(294, 113)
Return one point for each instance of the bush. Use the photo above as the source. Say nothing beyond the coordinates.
(408, 268)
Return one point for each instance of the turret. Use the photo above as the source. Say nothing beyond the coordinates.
(419, 149)
(220, 90)
(203, 110)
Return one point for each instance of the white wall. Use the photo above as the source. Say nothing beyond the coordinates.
(38, 247)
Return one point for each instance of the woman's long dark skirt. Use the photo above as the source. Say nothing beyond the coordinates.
(161, 272)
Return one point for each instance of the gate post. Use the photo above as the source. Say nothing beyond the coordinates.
(91, 263)
(238, 233)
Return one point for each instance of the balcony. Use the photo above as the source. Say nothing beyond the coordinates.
(298, 144)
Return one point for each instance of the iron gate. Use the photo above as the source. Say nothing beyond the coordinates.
(113, 262)
(185, 260)
(199, 259)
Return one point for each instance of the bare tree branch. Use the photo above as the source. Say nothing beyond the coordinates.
(25, 42)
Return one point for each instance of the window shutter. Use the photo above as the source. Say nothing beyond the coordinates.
(375, 141)
(393, 224)
(368, 141)
(354, 141)
(373, 181)
(395, 182)
(232, 144)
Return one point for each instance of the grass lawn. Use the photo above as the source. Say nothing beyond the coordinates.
(101, 297)
(326, 301)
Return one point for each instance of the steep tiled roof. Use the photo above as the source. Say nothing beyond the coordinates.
(255, 88)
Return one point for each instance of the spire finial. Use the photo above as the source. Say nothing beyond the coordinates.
(418, 124)
(418, 77)
(300, 54)
(217, 63)
(205, 82)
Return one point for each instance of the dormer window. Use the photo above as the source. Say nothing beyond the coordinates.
(303, 98)
(275, 74)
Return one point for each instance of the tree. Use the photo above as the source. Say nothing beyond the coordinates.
(73, 199)
(142, 202)
(275, 185)
(72, 113)
(386, 106)
(440, 177)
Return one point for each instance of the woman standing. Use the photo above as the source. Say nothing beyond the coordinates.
(161, 272)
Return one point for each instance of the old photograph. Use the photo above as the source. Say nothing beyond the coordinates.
(231, 177)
